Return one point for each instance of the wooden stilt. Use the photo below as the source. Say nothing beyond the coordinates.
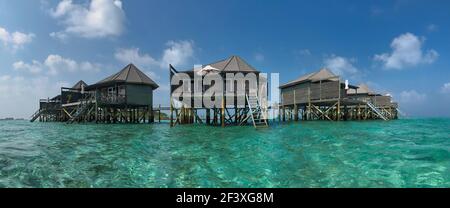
(295, 112)
(159, 114)
(208, 116)
(223, 112)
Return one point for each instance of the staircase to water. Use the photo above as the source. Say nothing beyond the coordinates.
(82, 109)
(377, 111)
(37, 114)
(256, 113)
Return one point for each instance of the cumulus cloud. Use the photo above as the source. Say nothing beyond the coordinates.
(341, 66)
(101, 18)
(15, 39)
(54, 64)
(446, 88)
(153, 75)
(177, 53)
(35, 67)
(20, 96)
(407, 52)
(133, 55)
(59, 35)
(412, 96)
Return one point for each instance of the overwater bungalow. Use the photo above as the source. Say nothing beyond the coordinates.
(50, 109)
(230, 111)
(322, 95)
(124, 97)
(364, 93)
(127, 97)
(383, 102)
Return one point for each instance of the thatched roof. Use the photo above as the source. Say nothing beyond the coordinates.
(79, 85)
(323, 74)
(231, 64)
(130, 75)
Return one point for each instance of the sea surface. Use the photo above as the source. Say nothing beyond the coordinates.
(402, 153)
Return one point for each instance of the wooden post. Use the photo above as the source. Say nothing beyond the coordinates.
(295, 112)
(345, 113)
(236, 113)
(215, 117)
(208, 116)
(159, 113)
(279, 113)
(114, 115)
(338, 111)
(105, 115)
(152, 117)
(339, 103)
(96, 112)
(222, 116)
(181, 119)
(136, 111)
(171, 113)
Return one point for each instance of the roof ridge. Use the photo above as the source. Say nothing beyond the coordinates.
(128, 68)
(245, 62)
(141, 75)
(228, 63)
(215, 62)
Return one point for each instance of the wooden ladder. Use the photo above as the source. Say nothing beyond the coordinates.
(37, 114)
(82, 109)
(256, 112)
(377, 111)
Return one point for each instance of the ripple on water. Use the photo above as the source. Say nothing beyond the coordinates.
(404, 153)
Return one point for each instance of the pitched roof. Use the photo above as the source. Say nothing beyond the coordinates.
(323, 74)
(130, 74)
(231, 64)
(79, 84)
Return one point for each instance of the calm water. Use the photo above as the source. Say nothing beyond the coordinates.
(404, 153)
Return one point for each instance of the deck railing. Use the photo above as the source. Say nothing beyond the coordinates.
(112, 99)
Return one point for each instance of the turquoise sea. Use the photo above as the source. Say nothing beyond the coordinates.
(402, 153)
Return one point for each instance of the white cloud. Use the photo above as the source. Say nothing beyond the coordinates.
(152, 75)
(341, 66)
(101, 18)
(59, 35)
(133, 55)
(446, 88)
(412, 96)
(15, 39)
(20, 96)
(304, 52)
(54, 64)
(35, 67)
(406, 52)
(177, 53)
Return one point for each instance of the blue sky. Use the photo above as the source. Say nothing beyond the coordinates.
(398, 47)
